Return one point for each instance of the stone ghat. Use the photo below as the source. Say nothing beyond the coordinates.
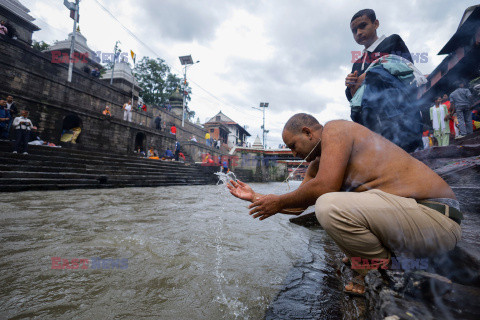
(448, 289)
(47, 168)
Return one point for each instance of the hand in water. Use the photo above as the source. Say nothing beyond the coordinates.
(241, 190)
(266, 207)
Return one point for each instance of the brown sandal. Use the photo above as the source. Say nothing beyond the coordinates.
(354, 281)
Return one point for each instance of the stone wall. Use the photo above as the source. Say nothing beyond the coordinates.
(263, 167)
(41, 87)
(20, 28)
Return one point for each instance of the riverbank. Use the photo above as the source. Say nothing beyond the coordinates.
(448, 288)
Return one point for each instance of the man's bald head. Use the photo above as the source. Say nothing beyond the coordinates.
(296, 123)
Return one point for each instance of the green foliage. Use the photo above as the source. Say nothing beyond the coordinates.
(40, 46)
(157, 83)
(151, 75)
(190, 114)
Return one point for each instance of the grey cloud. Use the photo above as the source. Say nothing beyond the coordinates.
(186, 20)
(272, 81)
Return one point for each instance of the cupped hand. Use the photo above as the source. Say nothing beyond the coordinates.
(266, 206)
(241, 190)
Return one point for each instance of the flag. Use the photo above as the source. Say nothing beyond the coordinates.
(72, 15)
(133, 56)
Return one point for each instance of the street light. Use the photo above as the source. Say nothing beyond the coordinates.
(186, 61)
(263, 106)
(73, 7)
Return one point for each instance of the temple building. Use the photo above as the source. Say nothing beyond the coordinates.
(122, 78)
(84, 57)
(257, 144)
(18, 20)
(228, 131)
(176, 102)
(462, 61)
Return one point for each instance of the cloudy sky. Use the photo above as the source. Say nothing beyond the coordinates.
(294, 54)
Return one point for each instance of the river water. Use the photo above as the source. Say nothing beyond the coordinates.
(189, 252)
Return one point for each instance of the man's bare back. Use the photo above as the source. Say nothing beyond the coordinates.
(376, 163)
(375, 214)
(345, 156)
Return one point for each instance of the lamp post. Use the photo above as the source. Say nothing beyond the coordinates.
(186, 61)
(73, 7)
(263, 106)
(116, 51)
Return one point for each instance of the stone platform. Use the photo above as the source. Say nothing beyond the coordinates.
(47, 168)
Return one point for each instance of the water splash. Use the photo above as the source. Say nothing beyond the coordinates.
(225, 178)
(234, 305)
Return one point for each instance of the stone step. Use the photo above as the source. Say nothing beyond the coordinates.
(15, 181)
(60, 163)
(116, 180)
(64, 186)
(93, 160)
(102, 176)
(98, 171)
(47, 168)
(84, 155)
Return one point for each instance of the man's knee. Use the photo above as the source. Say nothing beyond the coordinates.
(327, 209)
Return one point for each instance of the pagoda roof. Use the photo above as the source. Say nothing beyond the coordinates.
(19, 10)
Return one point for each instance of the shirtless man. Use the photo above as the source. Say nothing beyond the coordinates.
(368, 193)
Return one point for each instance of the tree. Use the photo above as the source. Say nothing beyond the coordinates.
(151, 75)
(190, 115)
(156, 81)
(172, 83)
(40, 46)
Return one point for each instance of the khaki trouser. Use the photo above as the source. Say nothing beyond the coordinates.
(374, 223)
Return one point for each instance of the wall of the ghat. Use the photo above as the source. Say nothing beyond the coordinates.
(41, 87)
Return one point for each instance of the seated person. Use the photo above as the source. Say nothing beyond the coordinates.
(181, 156)
(95, 72)
(168, 154)
(150, 152)
(107, 112)
(3, 28)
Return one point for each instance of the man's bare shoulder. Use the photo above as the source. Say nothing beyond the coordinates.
(342, 130)
(342, 125)
(348, 130)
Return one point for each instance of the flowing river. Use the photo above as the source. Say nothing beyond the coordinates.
(186, 252)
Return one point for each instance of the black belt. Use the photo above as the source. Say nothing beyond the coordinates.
(450, 212)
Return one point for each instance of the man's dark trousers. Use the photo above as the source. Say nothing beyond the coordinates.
(21, 139)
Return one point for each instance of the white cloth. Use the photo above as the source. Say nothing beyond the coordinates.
(26, 124)
(127, 115)
(426, 142)
(436, 125)
(128, 107)
(372, 47)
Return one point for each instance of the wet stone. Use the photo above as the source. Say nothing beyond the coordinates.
(448, 289)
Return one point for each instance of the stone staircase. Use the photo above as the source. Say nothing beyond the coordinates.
(47, 168)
